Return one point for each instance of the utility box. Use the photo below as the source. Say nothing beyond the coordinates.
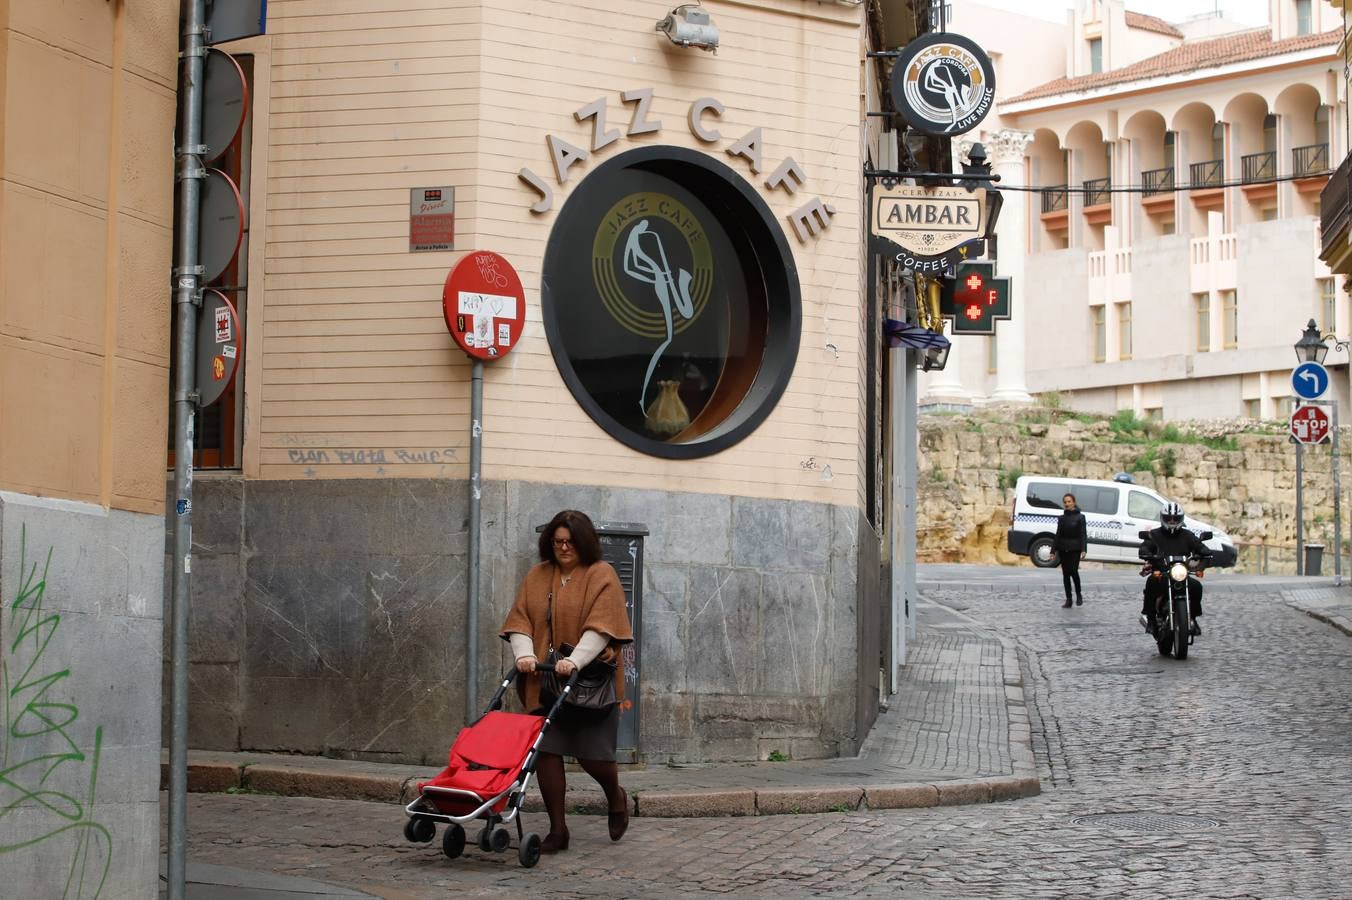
(622, 547)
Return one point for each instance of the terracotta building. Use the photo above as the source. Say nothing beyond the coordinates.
(698, 368)
(1167, 259)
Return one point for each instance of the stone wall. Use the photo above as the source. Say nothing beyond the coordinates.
(968, 465)
(79, 672)
(328, 616)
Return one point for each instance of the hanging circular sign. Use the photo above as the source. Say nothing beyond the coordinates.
(943, 84)
(484, 305)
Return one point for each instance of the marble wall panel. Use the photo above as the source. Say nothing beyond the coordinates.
(723, 614)
(665, 659)
(352, 608)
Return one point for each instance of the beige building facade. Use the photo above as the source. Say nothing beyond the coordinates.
(1171, 242)
(87, 99)
(694, 370)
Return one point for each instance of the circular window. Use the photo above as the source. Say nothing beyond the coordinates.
(671, 302)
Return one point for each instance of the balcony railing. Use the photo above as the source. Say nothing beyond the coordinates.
(1259, 166)
(1310, 160)
(1055, 198)
(1207, 174)
(1096, 191)
(1334, 210)
(1158, 181)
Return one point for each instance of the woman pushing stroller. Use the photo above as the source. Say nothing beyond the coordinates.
(571, 605)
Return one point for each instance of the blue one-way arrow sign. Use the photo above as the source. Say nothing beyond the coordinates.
(1309, 380)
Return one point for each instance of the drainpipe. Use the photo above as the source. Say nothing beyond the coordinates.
(187, 276)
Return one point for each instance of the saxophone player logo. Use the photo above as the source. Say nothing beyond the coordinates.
(943, 84)
(653, 270)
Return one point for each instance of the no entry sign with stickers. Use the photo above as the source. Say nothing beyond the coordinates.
(484, 305)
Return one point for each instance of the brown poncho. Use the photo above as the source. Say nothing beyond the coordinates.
(592, 600)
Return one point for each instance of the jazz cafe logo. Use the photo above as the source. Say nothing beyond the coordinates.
(653, 270)
(943, 84)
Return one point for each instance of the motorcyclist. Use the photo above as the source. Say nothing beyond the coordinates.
(1171, 539)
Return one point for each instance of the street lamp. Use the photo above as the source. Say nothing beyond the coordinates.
(1311, 346)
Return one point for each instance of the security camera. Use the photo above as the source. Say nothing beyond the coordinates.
(689, 26)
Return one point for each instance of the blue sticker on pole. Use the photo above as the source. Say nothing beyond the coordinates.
(183, 507)
(1309, 380)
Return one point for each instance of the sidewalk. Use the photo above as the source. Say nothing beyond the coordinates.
(1327, 604)
(958, 733)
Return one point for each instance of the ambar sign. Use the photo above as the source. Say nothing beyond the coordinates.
(929, 221)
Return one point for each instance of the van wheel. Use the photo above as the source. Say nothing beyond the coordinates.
(1043, 553)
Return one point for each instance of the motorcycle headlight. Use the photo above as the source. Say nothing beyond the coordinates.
(1178, 572)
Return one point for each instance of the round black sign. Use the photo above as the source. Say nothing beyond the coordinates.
(671, 302)
(943, 84)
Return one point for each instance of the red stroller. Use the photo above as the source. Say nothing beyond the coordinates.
(490, 766)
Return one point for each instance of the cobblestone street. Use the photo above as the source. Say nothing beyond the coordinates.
(1236, 765)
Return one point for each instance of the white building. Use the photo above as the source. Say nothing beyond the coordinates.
(1177, 270)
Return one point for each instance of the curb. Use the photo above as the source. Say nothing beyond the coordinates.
(1333, 619)
(300, 781)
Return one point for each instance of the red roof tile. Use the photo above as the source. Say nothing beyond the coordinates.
(1230, 48)
(1151, 23)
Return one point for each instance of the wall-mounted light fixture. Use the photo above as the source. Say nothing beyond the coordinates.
(689, 26)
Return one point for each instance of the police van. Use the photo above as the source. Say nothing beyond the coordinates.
(1115, 514)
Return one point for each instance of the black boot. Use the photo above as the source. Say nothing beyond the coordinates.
(1066, 605)
(1079, 600)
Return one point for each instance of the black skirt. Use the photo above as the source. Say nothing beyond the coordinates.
(582, 733)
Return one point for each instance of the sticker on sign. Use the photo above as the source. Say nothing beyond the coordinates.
(496, 306)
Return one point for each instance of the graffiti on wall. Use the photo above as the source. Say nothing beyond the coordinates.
(39, 743)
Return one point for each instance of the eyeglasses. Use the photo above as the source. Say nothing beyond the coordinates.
(562, 542)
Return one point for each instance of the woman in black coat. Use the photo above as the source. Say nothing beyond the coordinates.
(1072, 540)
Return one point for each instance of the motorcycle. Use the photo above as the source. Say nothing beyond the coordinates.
(1173, 632)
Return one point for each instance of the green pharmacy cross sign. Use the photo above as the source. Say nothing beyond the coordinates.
(976, 299)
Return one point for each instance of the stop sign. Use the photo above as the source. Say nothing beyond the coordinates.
(1309, 424)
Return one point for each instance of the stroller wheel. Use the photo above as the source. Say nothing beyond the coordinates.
(501, 839)
(529, 853)
(483, 841)
(419, 831)
(453, 841)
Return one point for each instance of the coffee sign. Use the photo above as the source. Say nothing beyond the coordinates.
(928, 222)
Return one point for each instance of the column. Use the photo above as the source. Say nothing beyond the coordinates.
(1006, 150)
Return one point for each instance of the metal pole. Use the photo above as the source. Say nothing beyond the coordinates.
(896, 516)
(187, 296)
(1300, 509)
(476, 414)
(1337, 505)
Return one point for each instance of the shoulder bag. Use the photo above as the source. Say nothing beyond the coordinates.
(594, 688)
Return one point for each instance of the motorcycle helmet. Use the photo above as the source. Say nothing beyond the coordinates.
(1171, 517)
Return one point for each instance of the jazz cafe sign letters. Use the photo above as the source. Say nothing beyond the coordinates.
(933, 228)
(808, 220)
